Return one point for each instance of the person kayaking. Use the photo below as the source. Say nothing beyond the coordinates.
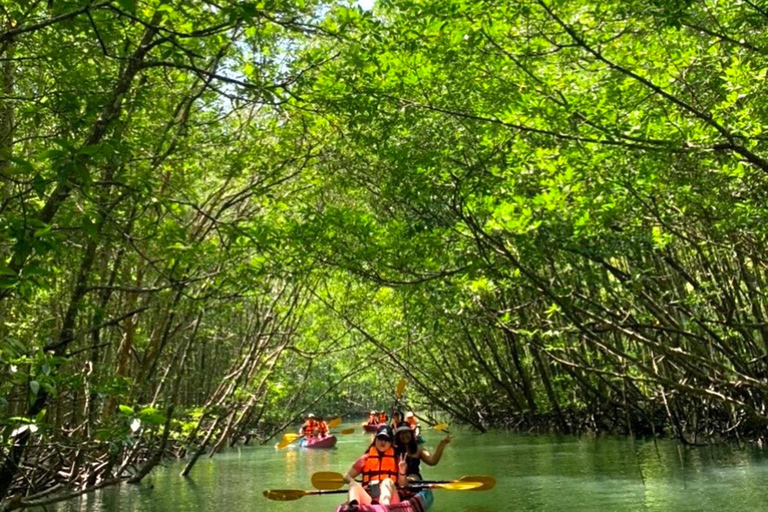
(322, 427)
(410, 420)
(373, 418)
(309, 428)
(405, 444)
(397, 419)
(382, 473)
(383, 417)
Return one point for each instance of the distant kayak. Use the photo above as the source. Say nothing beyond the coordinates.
(418, 503)
(319, 442)
(371, 429)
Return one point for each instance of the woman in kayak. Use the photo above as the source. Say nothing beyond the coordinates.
(405, 444)
(322, 427)
(397, 420)
(382, 473)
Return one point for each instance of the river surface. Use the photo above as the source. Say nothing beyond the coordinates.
(533, 473)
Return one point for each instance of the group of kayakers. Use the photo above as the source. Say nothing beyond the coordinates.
(377, 417)
(409, 420)
(314, 427)
(389, 463)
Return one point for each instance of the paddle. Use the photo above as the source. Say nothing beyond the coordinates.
(399, 392)
(287, 441)
(295, 494)
(400, 388)
(327, 480)
(486, 482)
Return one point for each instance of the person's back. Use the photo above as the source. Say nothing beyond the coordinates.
(322, 427)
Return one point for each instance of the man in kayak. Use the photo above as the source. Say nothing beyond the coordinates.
(382, 473)
(309, 428)
(372, 418)
(383, 417)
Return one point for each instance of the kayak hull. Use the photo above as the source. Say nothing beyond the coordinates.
(371, 429)
(418, 503)
(319, 442)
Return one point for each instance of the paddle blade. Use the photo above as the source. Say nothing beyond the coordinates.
(348, 431)
(291, 437)
(486, 482)
(284, 494)
(459, 486)
(400, 387)
(335, 422)
(440, 426)
(285, 442)
(327, 480)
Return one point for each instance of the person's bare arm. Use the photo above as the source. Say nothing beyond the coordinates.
(432, 460)
(350, 475)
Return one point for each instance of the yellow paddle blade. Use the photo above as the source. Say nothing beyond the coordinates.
(465, 483)
(440, 426)
(335, 422)
(486, 482)
(459, 486)
(291, 437)
(286, 441)
(348, 431)
(327, 480)
(400, 387)
(285, 494)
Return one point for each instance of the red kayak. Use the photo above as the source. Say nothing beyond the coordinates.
(371, 429)
(319, 442)
(418, 503)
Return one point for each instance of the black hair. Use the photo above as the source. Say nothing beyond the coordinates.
(411, 448)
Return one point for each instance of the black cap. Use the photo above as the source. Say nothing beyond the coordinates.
(384, 431)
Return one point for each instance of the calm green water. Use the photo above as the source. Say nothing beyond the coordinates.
(533, 473)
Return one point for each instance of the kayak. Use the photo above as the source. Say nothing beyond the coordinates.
(371, 429)
(418, 503)
(319, 442)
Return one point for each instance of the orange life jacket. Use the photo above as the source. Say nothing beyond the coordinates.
(322, 428)
(309, 427)
(411, 422)
(379, 466)
(383, 417)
